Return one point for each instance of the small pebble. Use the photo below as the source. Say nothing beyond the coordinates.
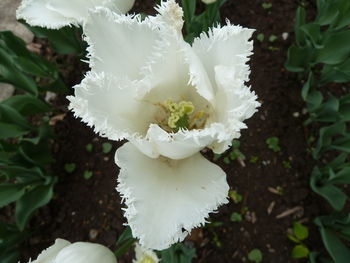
(296, 114)
(285, 35)
(93, 233)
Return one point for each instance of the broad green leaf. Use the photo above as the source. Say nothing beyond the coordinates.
(337, 250)
(10, 74)
(37, 154)
(299, 59)
(300, 251)
(327, 12)
(336, 48)
(27, 104)
(313, 31)
(64, 40)
(178, 253)
(57, 86)
(11, 131)
(299, 21)
(30, 201)
(10, 192)
(126, 235)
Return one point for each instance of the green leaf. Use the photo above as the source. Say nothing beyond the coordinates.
(10, 193)
(300, 231)
(89, 147)
(27, 104)
(326, 12)
(260, 37)
(266, 5)
(10, 74)
(299, 21)
(313, 31)
(273, 38)
(236, 217)
(338, 251)
(331, 193)
(299, 59)
(11, 131)
(126, 235)
(255, 256)
(30, 201)
(64, 40)
(70, 167)
(88, 174)
(273, 144)
(106, 147)
(336, 48)
(300, 251)
(178, 253)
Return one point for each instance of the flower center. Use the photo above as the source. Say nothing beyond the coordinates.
(147, 259)
(181, 115)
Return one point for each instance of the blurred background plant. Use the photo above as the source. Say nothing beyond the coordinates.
(322, 54)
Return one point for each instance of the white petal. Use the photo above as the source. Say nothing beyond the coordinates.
(109, 105)
(227, 46)
(144, 255)
(58, 13)
(167, 198)
(120, 45)
(49, 254)
(84, 252)
(38, 13)
(235, 103)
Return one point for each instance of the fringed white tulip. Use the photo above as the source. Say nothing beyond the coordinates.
(170, 100)
(143, 74)
(55, 14)
(80, 252)
(167, 198)
(143, 255)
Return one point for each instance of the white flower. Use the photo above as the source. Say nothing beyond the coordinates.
(55, 14)
(144, 255)
(208, 2)
(170, 100)
(80, 252)
(166, 198)
(143, 74)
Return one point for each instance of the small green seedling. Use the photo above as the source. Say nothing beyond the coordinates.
(236, 217)
(266, 5)
(69, 167)
(299, 233)
(236, 197)
(271, 48)
(89, 147)
(254, 159)
(255, 256)
(287, 165)
(273, 144)
(87, 174)
(106, 147)
(273, 38)
(260, 37)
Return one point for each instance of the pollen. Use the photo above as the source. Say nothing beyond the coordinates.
(179, 113)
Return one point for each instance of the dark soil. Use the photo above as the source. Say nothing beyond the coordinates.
(90, 209)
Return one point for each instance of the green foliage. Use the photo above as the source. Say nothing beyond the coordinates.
(65, 40)
(25, 153)
(255, 256)
(266, 5)
(88, 174)
(273, 144)
(196, 24)
(273, 38)
(260, 37)
(322, 54)
(236, 217)
(89, 147)
(70, 167)
(106, 148)
(18, 66)
(235, 196)
(178, 253)
(300, 251)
